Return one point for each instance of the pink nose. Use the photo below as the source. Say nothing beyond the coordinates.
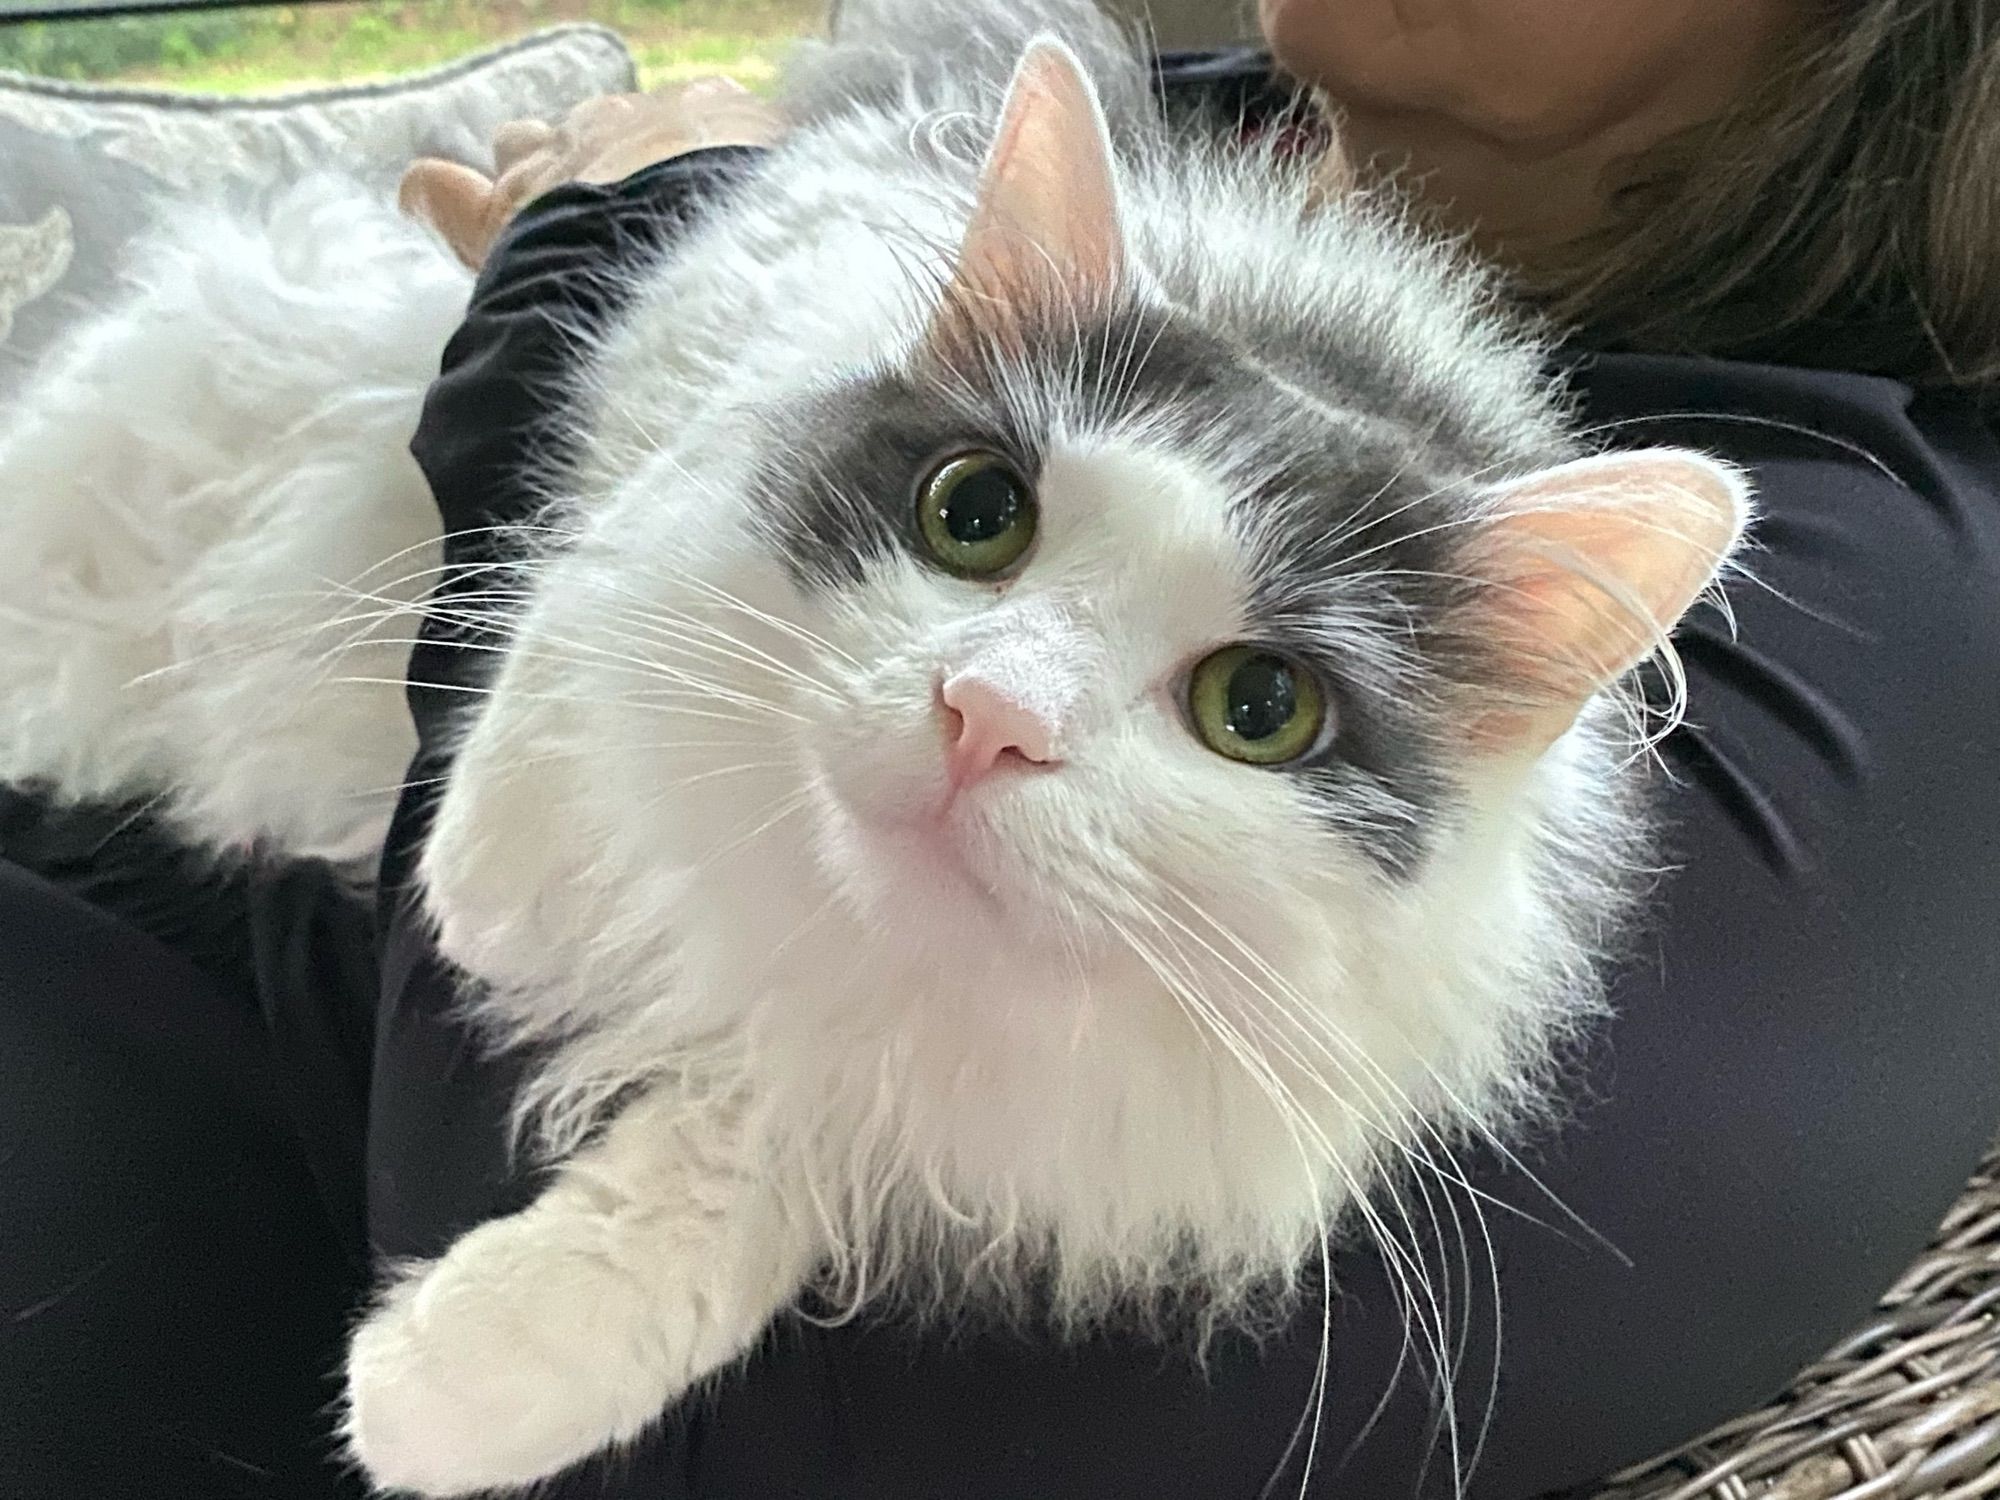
(986, 726)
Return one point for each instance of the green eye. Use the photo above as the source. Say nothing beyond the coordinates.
(1253, 705)
(977, 515)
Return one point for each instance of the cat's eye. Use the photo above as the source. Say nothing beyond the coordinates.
(1252, 704)
(977, 515)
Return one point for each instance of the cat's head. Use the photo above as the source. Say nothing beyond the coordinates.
(1087, 738)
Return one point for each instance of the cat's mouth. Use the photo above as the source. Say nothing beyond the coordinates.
(930, 858)
(936, 846)
(909, 836)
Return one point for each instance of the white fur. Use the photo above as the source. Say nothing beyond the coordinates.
(1141, 1024)
(470, 1378)
(192, 491)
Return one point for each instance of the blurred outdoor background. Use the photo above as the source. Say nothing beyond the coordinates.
(290, 46)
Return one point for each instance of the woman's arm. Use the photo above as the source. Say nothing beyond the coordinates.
(602, 141)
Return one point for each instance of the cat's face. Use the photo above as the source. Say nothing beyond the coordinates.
(1037, 670)
(1012, 748)
(1061, 707)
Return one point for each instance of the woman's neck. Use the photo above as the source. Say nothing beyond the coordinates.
(1513, 122)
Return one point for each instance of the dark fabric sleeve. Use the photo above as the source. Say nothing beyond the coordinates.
(172, 1303)
(556, 272)
(1232, 82)
(436, 1157)
(491, 421)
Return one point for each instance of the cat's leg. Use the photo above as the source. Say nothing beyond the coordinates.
(653, 1259)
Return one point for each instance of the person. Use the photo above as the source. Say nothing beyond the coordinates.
(1767, 221)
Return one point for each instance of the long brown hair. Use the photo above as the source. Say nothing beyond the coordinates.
(1849, 215)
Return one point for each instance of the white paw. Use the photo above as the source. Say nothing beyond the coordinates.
(524, 1350)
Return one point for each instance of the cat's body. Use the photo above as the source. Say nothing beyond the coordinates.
(184, 491)
(918, 919)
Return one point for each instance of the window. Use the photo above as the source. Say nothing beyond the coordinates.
(236, 49)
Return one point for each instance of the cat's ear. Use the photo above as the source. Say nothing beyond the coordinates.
(1046, 231)
(1592, 564)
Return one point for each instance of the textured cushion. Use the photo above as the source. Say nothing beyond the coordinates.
(83, 168)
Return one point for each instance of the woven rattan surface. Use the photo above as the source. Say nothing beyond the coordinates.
(1908, 1408)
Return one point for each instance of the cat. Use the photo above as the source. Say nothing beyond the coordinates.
(1070, 715)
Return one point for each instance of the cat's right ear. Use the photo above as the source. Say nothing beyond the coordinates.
(1590, 565)
(1046, 234)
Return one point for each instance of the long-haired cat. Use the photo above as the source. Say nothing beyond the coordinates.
(1068, 714)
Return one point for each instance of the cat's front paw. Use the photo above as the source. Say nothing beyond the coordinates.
(518, 1354)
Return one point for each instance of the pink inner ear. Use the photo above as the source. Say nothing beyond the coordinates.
(1045, 230)
(1596, 561)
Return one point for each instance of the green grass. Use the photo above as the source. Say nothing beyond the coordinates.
(255, 51)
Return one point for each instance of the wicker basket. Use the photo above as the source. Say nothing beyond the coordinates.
(1906, 1409)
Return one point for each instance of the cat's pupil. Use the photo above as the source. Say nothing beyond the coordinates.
(1262, 698)
(985, 504)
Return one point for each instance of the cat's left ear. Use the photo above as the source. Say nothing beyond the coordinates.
(1046, 233)
(1591, 565)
